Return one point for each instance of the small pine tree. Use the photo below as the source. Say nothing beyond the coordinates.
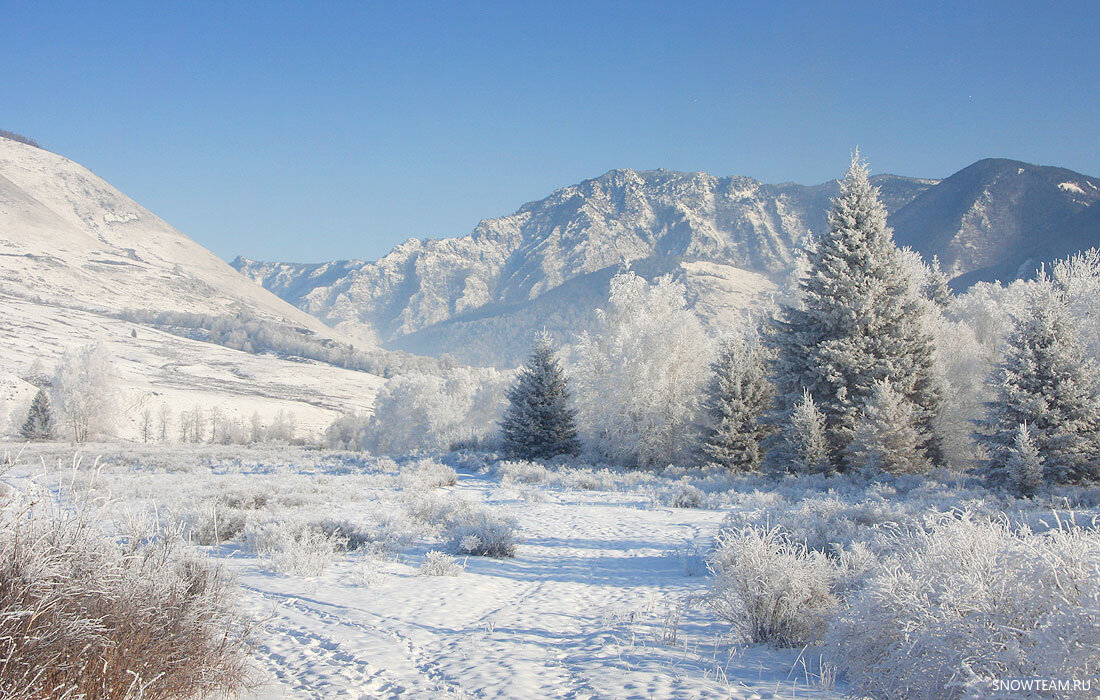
(936, 288)
(802, 445)
(886, 436)
(539, 422)
(1045, 381)
(737, 397)
(39, 423)
(1025, 464)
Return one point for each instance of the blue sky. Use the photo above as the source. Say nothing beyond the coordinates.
(310, 131)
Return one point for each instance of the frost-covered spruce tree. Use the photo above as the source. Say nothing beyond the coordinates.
(39, 423)
(801, 445)
(886, 436)
(539, 422)
(935, 288)
(1024, 464)
(1044, 380)
(738, 395)
(856, 322)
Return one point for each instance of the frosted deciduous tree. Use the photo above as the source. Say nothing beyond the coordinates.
(436, 412)
(738, 395)
(1044, 380)
(886, 436)
(145, 424)
(539, 422)
(85, 393)
(857, 322)
(39, 423)
(164, 419)
(639, 376)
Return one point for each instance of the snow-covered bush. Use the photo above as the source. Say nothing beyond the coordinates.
(83, 617)
(772, 589)
(214, 522)
(639, 377)
(478, 532)
(684, 495)
(295, 548)
(426, 413)
(970, 601)
(439, 564)
(428, 474)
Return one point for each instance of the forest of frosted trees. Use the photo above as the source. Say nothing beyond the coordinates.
(869, 363)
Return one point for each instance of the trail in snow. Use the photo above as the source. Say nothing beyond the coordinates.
(586, 609)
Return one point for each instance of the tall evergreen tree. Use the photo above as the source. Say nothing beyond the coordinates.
(886, 436)
(539, 423)
(738, 395)
(39, 423)
(1045, 381)
(856, 323)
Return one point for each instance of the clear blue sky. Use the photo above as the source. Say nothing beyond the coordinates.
(308, 131)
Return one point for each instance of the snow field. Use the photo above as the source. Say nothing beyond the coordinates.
(334, 553)
(365, 575)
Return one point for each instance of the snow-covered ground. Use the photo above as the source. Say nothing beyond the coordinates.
(602, 598)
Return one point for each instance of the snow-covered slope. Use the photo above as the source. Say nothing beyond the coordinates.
(66, 235)
(75, 253)
(475, 296)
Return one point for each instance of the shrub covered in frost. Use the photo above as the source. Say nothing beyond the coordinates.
(82, 617)
(296, 548)
(439, 564)
(428, 474)
(774, 590)
(969, 601)
(478, 532)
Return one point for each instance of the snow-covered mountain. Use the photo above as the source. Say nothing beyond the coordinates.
(481, 296)
(78, 257)
(998, 219)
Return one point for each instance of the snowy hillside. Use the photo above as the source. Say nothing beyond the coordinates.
(998, 218)
(438, 296)
(75, 253)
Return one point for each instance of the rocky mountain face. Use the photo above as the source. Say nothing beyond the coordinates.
(477, 297)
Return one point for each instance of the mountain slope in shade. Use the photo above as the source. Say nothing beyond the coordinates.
(450, 295)
(998, 218)
(75, 252)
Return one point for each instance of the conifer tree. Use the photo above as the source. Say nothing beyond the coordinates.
(39, 423)
(539, 422)
(738, 395)
(886, 436)
(1025, 464)
(856, 323)
(936, 288)
(801, 445)
(1045, 381)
